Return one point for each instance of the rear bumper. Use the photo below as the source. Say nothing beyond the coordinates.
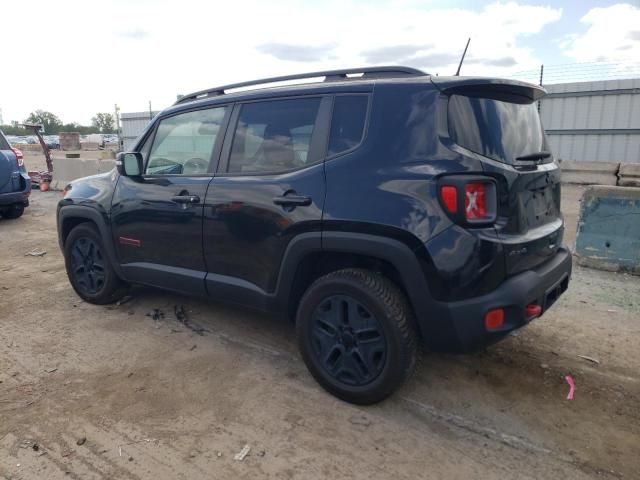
(21, 197)
(542, 286)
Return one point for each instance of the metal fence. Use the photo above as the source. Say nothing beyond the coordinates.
(594, 121)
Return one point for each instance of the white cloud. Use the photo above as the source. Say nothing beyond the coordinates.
(613, 35)
(97, 53)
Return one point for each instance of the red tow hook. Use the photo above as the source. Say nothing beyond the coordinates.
(532, 310)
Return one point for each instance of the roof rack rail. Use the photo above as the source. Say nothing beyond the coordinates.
(330, 75)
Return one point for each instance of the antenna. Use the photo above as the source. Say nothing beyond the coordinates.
(462, 59)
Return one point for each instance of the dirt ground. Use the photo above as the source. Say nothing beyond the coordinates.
(109, 392)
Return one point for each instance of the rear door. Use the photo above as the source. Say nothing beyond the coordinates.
(503, 129)
(270, 187)
(157, 219)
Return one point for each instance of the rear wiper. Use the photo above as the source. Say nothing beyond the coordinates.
(532, 157)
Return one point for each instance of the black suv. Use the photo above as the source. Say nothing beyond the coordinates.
(379, 208)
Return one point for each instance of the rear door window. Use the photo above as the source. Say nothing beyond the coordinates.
(274, 136)
(496, 129)
(347, 123)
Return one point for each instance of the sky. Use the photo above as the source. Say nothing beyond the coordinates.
(77, 58)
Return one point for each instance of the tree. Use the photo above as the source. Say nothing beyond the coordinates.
(104, 122)
(50, 121)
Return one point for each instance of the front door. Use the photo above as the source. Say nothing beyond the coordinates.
(270, 187)
(157, 219)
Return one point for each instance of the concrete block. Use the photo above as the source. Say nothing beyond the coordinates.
(66, 170)
(90, 146)
(589, 173)
(629, 175)
(608, 236)
(28, 147)
(69, 141)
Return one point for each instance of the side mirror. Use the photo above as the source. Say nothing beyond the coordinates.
(130, 164)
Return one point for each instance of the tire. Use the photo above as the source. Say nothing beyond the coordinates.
(88, 267)
(357, 335)
(13, 212)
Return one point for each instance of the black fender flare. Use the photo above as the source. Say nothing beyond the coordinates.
(391, 250)
(96, 217)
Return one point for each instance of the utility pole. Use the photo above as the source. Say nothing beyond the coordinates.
(150, 111)
(117, 118)
(117, 113)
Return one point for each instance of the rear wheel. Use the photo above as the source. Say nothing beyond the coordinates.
(88, 267)
(356, 335)
(14, 211)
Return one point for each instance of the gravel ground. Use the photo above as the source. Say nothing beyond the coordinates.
(89, 392)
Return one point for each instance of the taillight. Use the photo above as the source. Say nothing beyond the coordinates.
(478, 196)
(475, 201)
(19, 156)
(449, 197)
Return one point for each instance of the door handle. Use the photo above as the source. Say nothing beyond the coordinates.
(186, 199)
(292, 201)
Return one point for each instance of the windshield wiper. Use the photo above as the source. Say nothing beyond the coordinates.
(532, 157)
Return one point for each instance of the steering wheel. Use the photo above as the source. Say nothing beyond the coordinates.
(194, 166)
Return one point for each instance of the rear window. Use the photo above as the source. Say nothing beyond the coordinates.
(347, 123)
(496, 129)
(4, 145)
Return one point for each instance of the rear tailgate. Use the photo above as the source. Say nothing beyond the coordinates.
(497, 122)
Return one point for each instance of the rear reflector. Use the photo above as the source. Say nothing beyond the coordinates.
(449, 195)
(533, 310)
(494, 319)
(475, 201)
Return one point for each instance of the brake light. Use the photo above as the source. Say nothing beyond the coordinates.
(475, 201)
(449, 195)
(19, 156)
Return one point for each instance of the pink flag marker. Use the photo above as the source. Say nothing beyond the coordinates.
(572, 387)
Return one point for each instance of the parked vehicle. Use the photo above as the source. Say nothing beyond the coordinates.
(17, 140)
(52, 141)
(15, 184)
(378, 212)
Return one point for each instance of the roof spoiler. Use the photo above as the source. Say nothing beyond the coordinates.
(520, 92)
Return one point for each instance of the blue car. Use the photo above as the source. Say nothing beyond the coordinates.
(15, 184)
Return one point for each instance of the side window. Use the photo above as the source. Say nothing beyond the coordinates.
(347, 124)
(274, 136)
(183, 144)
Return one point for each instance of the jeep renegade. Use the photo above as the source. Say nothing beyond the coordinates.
(380, 208)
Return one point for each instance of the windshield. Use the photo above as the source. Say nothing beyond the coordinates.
(496, 129)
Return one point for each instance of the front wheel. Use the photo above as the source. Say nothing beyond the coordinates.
(356, 335)
(88, 267)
